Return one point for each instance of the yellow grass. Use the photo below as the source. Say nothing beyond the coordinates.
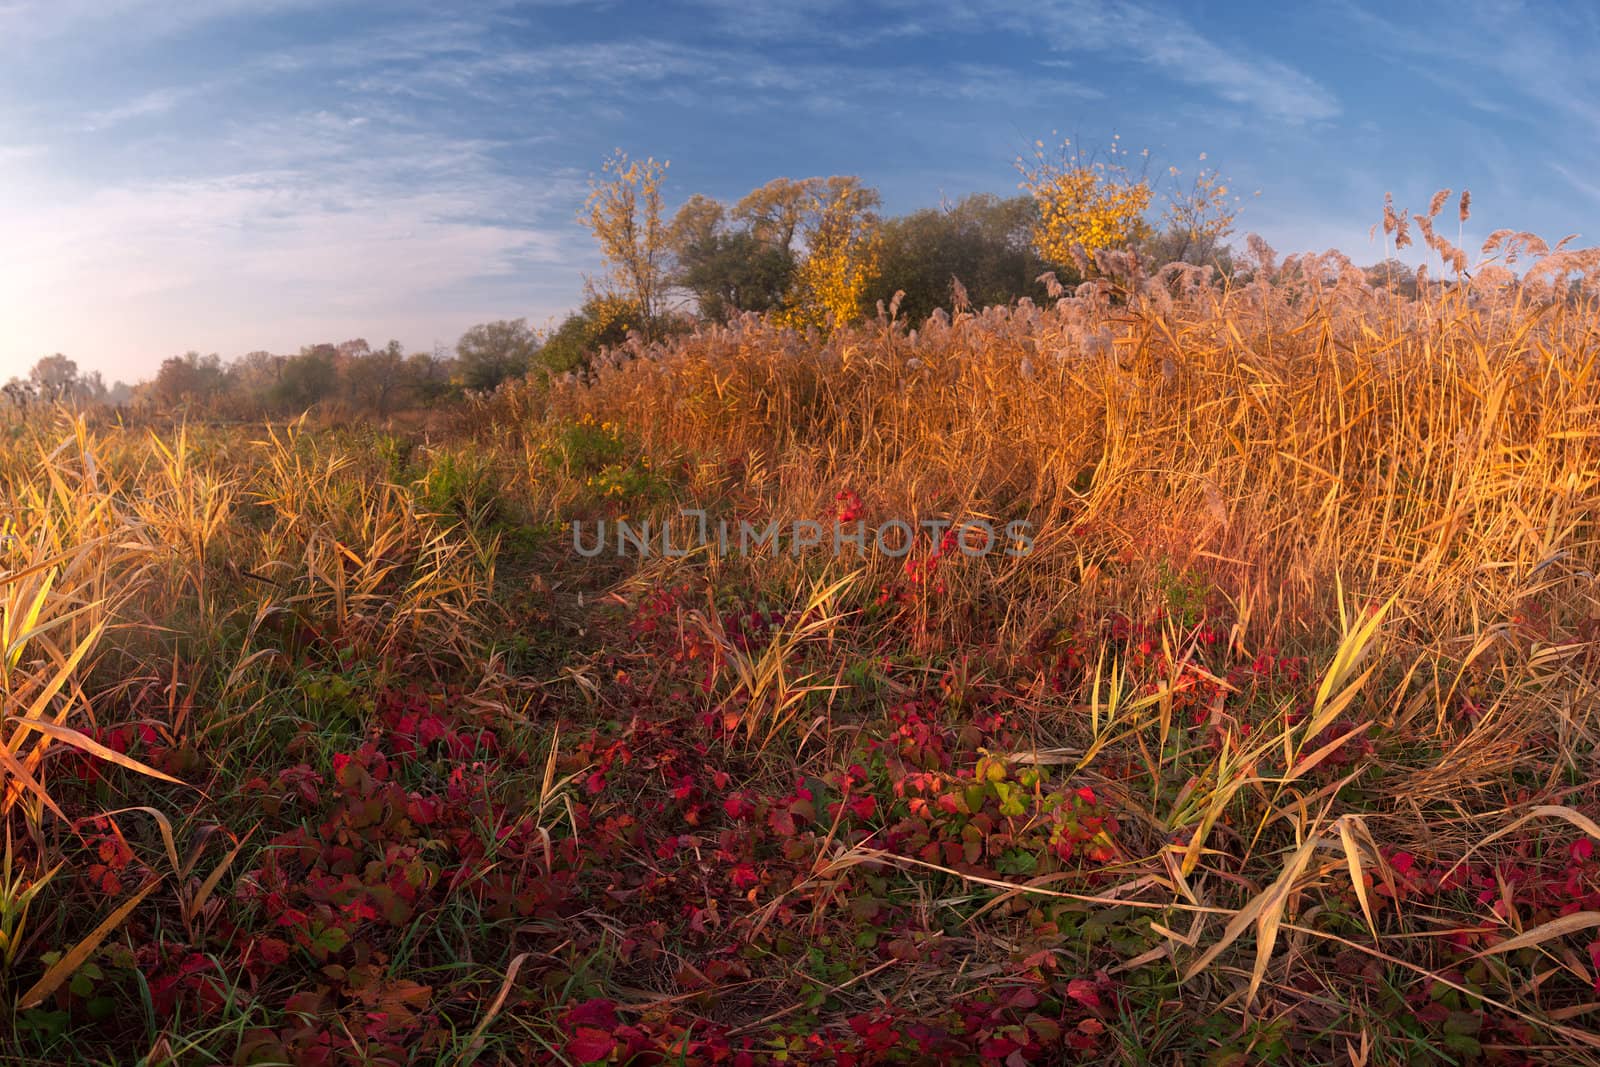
(1409, 491)
(1405, 492)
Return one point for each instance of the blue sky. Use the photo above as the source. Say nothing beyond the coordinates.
(229, 175)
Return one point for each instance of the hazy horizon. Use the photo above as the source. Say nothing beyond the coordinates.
(270, 174)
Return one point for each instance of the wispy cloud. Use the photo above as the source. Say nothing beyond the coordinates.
(1180, 51)
(827, 22)
(25, 24)
(1496, 53)
(1154, 36)
(144, 106)
(328, 229)
(14, 154)
(1584, 184)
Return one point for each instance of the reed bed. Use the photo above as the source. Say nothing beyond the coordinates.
(1276, 740)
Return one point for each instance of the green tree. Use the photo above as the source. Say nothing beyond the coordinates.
(307, 378)
(983, 241)
(727, 270)
(601, 322)
(490, 353)
(427, 374)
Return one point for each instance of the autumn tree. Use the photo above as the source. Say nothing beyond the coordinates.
(624, 212)
(774, 213)
(189, 378)
(1198, 216)
(347, 357)
(841, 255)
(1394, 275)
(1086, 201)
(698, 222)
(377, 376)
(253, 378)
(55, 377)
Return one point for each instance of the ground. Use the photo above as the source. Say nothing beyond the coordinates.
(344, 754)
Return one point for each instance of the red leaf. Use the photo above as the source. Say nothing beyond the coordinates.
(598, 1012)
(589, 1045)
(1082, 990)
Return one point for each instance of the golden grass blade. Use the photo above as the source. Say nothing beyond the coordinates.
(30, 616)
(74, 957)
(1306, 764)
(35, 713)
(1347, 825)
(11, 765)
(1566, 924)
(1339, 684)
(1228, 787)
(1541, 811)
(168, 840)
(860, 854)
(1582, 1037)
(28, 636)
(1266, 911)
(16, 576)
(68, 735)
(207, 887)
(475, 1042)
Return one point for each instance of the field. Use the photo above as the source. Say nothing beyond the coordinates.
(1274, 740)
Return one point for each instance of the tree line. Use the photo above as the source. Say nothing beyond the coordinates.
(817, 252)
(812, 252)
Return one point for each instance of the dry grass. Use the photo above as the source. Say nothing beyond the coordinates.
(1278, 437)
(1403, 493)
(1408, 492)
(121, 543)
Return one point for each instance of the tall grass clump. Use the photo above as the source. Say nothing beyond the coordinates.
(1275, 434)
(167, 585)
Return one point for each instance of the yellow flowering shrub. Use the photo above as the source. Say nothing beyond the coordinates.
(1083, 203)
(841, 262)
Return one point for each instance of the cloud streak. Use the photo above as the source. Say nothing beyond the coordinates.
(1178, 50)
(1155, 37)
